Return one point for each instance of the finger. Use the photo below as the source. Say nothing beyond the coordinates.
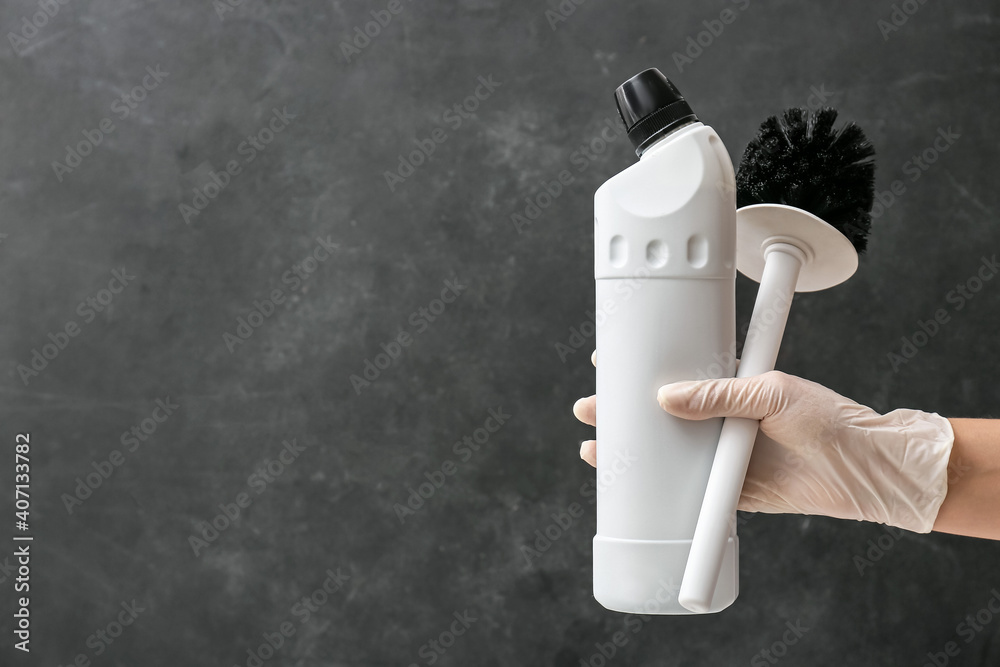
(593, 358)
(588, 452)
(586, 410)
(754, 397)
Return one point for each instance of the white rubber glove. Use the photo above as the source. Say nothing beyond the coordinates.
(821, 453)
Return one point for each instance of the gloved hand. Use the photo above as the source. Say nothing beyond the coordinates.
(820, 453)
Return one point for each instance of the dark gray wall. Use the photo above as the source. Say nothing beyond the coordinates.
(332, 506)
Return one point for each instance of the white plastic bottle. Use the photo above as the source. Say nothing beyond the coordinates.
(665, 244)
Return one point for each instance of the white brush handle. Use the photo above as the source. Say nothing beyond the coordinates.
(718, 510)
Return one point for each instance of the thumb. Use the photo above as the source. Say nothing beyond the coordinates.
(754, 397)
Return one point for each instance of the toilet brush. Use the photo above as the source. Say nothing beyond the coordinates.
(805, 193)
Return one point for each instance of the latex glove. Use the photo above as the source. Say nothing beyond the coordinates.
(820, 453)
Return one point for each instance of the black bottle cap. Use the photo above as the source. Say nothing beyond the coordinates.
(651, 106)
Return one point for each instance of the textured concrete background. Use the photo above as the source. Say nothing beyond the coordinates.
(173, 332)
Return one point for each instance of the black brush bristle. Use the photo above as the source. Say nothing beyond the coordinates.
(800, 160)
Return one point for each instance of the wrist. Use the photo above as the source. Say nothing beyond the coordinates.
(917, 483)
(973, 480)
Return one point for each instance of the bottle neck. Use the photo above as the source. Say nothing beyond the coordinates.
(667, 137)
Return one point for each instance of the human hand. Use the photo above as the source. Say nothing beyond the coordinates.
(818, 452)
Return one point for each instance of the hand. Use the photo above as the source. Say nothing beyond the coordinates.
(818, 452)
(585, 410)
